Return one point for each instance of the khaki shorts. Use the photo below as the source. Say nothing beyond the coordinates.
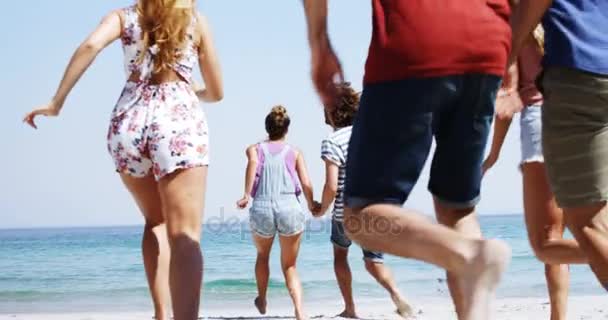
(575, 135)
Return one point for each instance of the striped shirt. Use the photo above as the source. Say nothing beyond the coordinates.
(335, 149)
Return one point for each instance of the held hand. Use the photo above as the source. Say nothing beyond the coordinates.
(508, 101)
(50, 110)
(243, 203)
(315, 209)
(326, 72)
(507, 104)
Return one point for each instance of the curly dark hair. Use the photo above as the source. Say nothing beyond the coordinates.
(343, 113)
(277, 123)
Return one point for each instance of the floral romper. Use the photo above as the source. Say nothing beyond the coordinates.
(156, 128)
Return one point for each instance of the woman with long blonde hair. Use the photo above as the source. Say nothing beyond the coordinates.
(158, 135)
(544, 219)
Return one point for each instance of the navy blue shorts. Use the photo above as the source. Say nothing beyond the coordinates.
(340, 239)
(395, 127)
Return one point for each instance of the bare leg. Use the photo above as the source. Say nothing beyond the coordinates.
(465, 222)
(182, 195)
(383, 275)
(262, 270)
(290, 246)
(545, 224)
(345, 281)
(545, 220)
(589, 225)
(155, 246)
(479, 263)
(557, 283)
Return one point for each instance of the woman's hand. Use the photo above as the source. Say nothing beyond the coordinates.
(107, 32)
(508, 101)
(49, 110)
(489, 163)
(244, 202)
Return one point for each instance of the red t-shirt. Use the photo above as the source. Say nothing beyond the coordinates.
(432, 38)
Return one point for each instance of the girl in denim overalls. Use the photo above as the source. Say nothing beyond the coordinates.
(276, 175)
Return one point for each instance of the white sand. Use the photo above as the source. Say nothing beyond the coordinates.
(580, 308)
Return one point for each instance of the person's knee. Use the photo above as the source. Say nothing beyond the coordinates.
(374, 268)
(538, 244)
(451, 216)
(541, 254)
(340, 256)
(600, 221)
(183, 220)
(543, 240)
(288, 261)
(287, 265)
(263, 257)
(184, 246)
(153, 223)
(371, 267)
(184, 232)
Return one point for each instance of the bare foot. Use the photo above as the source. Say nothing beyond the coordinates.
(348, 314)
(301, 316)
(481, 278)
(260, 305)
(403, 308)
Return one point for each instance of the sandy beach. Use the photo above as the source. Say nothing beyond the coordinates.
(580, 308)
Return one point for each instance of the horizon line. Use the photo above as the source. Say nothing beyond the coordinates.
(51, 227)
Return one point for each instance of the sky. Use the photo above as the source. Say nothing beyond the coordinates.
(62, 175)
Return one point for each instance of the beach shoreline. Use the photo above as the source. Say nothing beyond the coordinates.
(579, 307)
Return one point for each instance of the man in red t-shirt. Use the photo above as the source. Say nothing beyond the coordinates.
(433, 71)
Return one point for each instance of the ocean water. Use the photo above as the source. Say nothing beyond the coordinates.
(100, 269)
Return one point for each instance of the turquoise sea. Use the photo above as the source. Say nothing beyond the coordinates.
(100, 269)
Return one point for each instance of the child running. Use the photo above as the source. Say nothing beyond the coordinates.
(334, 153)
(276, 175)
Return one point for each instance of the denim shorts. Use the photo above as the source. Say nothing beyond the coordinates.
(531, 135)
(394, 130)
(340, 239)
(285, 216)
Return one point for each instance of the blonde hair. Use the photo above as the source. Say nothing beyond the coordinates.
(539, 36)
(164, 23)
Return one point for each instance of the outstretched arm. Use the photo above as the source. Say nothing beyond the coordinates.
(252, 164)
(526, 16)
(209, 64)
(107, 32)
(326, 68)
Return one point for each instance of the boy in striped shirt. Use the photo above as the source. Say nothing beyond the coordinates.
(334, 151)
